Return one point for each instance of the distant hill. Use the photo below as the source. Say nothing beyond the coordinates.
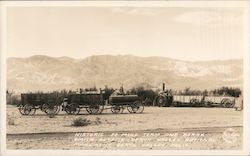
(49, 73)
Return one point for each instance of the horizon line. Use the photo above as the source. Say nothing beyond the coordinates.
(127, 55)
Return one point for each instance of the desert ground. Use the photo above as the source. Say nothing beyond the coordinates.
(156, 128)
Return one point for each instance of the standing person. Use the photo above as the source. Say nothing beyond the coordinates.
(121, 90)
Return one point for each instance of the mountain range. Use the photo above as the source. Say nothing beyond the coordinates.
(44, 73)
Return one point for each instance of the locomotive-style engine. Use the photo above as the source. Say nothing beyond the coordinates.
(165, 98)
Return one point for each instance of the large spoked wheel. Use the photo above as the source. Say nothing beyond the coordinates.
(66, 109)
(101, 108)
(51, 109)
(224, 100)
(207, 104)
(194, 102)
(130, 110)
(116, 109)
(88, 110)
(176, 104)
(21, 109)
(58, 109)
(228, 104)
(29, 110)
(43, 107)
(160, 101)
(95, 109)
(138, 107)
(72, 108)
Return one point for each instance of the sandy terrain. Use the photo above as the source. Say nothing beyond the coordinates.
(57, 132)
(151, 118)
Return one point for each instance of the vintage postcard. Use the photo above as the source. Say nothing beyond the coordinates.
(125, 77)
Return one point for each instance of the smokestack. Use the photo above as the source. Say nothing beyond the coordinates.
(163, 86)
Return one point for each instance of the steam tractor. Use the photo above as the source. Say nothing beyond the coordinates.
(165, 98)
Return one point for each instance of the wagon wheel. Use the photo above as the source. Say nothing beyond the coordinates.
(43, 107)
(94, 109)
(194, 102)
(53, 109)
(29, 110)
(228, 104)
(21, 109)
(130, 110)
(88, 110)
(175, 104)
(137, 107)
(101, 108)
(207, 104)
(66, 109)
(58, 109)
(223, 101)
(160, 101)
(72, 108)
(116, 109)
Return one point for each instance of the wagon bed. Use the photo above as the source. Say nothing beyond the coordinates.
(47, 102)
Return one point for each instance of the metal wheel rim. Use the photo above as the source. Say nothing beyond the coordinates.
(160, 101)
(228, 104)
(116, 109)
(94, 110)
(27, 109)
(129, 108)
(67, 110)
(137, 107)
(101, 108)
(53, 110)
(21, 109)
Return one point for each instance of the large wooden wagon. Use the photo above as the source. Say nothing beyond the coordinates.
(188, 100)
(46, 102)
(91, 101)
(221, 101)
(132, 102)
(194, 100)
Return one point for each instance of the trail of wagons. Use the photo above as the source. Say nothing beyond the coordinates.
(166, 99)
(94, 102)
(73, 103)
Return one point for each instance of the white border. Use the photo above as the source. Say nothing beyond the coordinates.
(245, 4)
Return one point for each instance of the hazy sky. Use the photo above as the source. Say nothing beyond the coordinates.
(181, 33)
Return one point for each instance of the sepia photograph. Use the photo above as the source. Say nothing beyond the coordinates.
(125, 77)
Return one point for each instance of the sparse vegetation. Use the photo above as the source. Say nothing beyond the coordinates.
(148, 95)
(229, 91)
(80, 122)
(145, 94)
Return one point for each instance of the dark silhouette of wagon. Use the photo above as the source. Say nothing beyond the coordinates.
(93, 102)
(46, 102)
(132, 102)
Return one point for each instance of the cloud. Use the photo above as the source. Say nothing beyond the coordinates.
(210, 18)
(136, 11)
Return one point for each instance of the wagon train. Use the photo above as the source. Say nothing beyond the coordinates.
(73, 103)
(94, 103)
(46, 102)
(221, 101)
(131, 102)
(166, 100)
